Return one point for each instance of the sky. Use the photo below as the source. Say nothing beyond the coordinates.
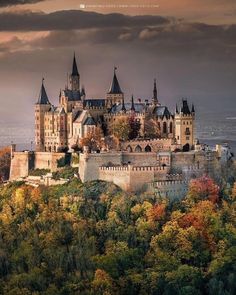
(188, 45)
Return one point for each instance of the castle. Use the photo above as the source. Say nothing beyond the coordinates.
(159, 153)
(60, 128)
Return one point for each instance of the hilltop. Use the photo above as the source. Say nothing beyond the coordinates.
(93, 238)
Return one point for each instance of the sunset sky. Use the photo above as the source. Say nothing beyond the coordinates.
(188, 45)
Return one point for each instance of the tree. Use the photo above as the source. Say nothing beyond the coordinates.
(102, 283)
(152, 128)
(94, 139)
(5, 162)
(134, 127)
(203, 188)
(121, 129)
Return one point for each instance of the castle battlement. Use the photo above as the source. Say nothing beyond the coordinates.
(151, 140)
(121, 114)
(133, 168)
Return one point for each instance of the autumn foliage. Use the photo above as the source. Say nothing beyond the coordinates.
(94, 239)
(5, 162)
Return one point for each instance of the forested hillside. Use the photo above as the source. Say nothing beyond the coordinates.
(96, 239)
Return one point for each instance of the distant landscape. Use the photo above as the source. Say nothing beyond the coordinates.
(211, 128)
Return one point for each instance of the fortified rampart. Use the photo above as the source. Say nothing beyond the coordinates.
(89, 164)
(151, 145)
(132, 178)
(173, 189)
(23, 162)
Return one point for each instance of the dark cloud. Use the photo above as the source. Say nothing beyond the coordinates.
(73, 19)
(200, 41)
(4, 3)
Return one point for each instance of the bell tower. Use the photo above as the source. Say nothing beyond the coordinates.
(184, 126)
(115, 94)
(41, 107)
(75, 77)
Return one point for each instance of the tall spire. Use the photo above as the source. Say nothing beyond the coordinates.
(115, 86)
(75, 71)
(193, 109)
(177, 109)
(155, 99)
(75, 77)
(43, 97)
(123, 109)
(132, 104)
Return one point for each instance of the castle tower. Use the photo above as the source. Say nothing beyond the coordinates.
(115, 94)
(155, 99)
(71, 96)
(75, 77)
(184, 126)
(62, 120)
(41, 107)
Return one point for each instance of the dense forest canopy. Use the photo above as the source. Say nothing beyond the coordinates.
(95, 239)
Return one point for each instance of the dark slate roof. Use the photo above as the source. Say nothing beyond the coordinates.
(162, 111)
(43, 97)
(193, 109)
(139, 107)
(76, 114)
(75, 71)
(185, 108)
(72, 95)
(115, 86)
(94, 102)
(89, 121)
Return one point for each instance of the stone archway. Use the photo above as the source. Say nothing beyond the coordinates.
(138, 149)
(148, 149)
(129, 149)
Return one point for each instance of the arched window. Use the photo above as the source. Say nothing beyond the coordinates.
(171, 127)
(186, 147)
(164, 127)
(138, 149)
(129, 149)
(148, 149)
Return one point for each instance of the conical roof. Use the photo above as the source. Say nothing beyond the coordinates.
(75, 71)
(115, 86)
(43, 97)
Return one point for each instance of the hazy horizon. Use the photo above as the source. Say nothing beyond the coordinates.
(189, 46)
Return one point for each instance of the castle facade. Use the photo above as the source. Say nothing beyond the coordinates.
(62, 127)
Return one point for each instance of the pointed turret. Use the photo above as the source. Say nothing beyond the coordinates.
(185, 108)
(132, 104)
(115, 86)
(83, 93)
(193, 109)
(123, 109)
(75, 77)
(155, 99)
(43, 97)
(75, 71)
(176, 109)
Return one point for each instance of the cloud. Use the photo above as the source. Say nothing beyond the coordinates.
(73, 19)
(148, 34)
(5, 3)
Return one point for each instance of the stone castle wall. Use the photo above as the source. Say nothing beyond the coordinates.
(173, 189)
(89, 164)
(132, 178)
(47, 160)
(23, 162)
(156, 145)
